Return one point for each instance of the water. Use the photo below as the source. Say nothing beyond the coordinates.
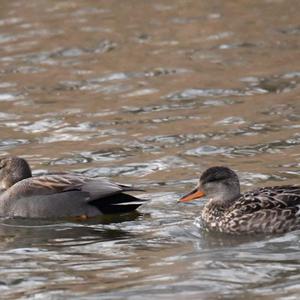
(150, 93)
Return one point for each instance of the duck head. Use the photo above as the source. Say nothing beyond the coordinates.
(12, 170)
(220, 184)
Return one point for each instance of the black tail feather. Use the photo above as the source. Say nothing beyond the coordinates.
(118, 203)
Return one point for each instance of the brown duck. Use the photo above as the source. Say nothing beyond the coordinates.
(264, 210)
(59, 195)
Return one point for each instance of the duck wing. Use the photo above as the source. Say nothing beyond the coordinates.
(60, 183)
(269, 210)
(268, 198)
(62, 195)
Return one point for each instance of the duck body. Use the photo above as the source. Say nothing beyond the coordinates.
(264, 210)
(62, 195)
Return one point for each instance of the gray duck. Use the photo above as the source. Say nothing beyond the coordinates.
(59, 195)
(264, 210)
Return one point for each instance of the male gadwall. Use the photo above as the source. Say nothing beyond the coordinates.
(264, 210)
(59, 195)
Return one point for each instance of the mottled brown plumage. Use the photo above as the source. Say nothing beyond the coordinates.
(265, 210)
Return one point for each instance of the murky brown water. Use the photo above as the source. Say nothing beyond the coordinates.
(151, 93)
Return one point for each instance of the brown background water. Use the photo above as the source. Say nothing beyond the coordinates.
(150, 93)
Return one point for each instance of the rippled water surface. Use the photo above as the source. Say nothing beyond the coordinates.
(150, 93)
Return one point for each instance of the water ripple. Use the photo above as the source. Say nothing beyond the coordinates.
(6, 144)
(7, 97)
(138, 169)
(247, 150)
(192, 94)
(281, 83)
(42, 125)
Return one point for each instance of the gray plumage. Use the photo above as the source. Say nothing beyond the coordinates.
(59, 195)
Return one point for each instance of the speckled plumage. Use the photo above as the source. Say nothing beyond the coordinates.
(264, 210)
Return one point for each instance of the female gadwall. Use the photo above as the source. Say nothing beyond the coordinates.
(264, 210)
(59, 195)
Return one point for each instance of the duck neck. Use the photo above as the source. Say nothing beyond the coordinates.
(219, 206)
(4, 202)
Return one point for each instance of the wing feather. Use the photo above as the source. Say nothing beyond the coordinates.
(270, 209)
(96, 188)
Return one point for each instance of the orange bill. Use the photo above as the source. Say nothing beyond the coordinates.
(195, 194)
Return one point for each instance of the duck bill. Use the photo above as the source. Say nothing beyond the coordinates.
(194, 194)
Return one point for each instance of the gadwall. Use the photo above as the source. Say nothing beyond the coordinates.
(264, 210)
(59, 195)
